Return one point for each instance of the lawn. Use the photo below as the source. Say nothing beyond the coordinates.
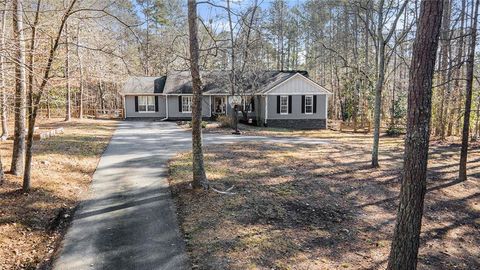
(32, 224)
(322, 207)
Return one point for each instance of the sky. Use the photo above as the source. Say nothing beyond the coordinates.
(219, 15)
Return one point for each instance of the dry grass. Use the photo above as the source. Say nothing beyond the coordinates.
(322, 207)
(31, 225)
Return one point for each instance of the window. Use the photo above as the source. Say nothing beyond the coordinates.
(283, 104)
(247, 104)
(187, 104)
(308, 104)
(146, 103)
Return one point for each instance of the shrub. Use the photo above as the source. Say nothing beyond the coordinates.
(224, 121)
(204, 124)
(393, 131)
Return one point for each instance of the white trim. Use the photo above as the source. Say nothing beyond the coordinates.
(324, 91)
(305, 108)
(142, 94)
(191, 101)
(285, 113)
(147, 104)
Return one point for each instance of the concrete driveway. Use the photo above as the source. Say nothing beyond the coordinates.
(129, 220)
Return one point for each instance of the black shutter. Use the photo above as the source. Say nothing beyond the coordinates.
(314, 104)
(303, 104)
(180, 103)
(289, 104)
(156, 103)
(252, 104)
(278, 104)
(136, 103)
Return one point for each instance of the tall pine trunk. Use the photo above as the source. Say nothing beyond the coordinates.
(199, 176)
(445, 71)
(462, 175)
(20, 90)
(406, 238)
(3, 91)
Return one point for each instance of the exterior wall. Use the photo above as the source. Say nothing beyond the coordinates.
(131, 113)
(175, 114)
(297, 108)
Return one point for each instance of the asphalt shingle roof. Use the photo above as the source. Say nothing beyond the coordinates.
(214, 82)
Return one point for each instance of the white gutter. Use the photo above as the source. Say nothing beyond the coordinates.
(326, 111)
(124, 109)
(166, 108)
(266, 109)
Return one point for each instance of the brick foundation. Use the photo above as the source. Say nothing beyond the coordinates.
(298, 123)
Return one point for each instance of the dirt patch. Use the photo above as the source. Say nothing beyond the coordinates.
(32, 224)
(323, 207)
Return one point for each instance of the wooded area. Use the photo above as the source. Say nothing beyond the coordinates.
(70, 58)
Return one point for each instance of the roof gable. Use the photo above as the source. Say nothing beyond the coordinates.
(297, 84)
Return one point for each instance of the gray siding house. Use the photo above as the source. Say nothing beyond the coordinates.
(272, 98)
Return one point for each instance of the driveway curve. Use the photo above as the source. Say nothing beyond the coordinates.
(129, 220)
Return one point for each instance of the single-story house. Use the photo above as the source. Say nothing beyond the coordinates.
(272, 98)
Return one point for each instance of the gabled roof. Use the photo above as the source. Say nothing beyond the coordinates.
(214, 82)
(144, 85)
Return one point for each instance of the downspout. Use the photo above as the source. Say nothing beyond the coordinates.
(124, 108)
(266, 110)
(326, 110)
(166, 109)
(210, 107)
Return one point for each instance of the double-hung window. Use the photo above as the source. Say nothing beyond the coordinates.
(187, 104)
(283, 104)
(308, 104)
(146, 103)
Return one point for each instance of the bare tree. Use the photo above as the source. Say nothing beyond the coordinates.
(199, 176)
(462, 175)
(3, 91)
(406, 238)
(382, 41)
(38, 96)
(20, 89)
(68, 104)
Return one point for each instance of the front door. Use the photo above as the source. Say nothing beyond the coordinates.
(219, 105)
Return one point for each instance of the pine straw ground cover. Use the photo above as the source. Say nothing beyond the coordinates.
(32, 225)
(322, 207)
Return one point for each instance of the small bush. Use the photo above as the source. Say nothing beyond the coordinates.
(204, 124)
(224, 121)
(393, 131)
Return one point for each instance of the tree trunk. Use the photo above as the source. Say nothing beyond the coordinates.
(462, 175)
(444, 52)
(378, 86)
(404, 248)
(68, 104)
(3, 91)
(20, 90)
(199, 176)
(31, 61)
(38, 97)
(80, 67)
